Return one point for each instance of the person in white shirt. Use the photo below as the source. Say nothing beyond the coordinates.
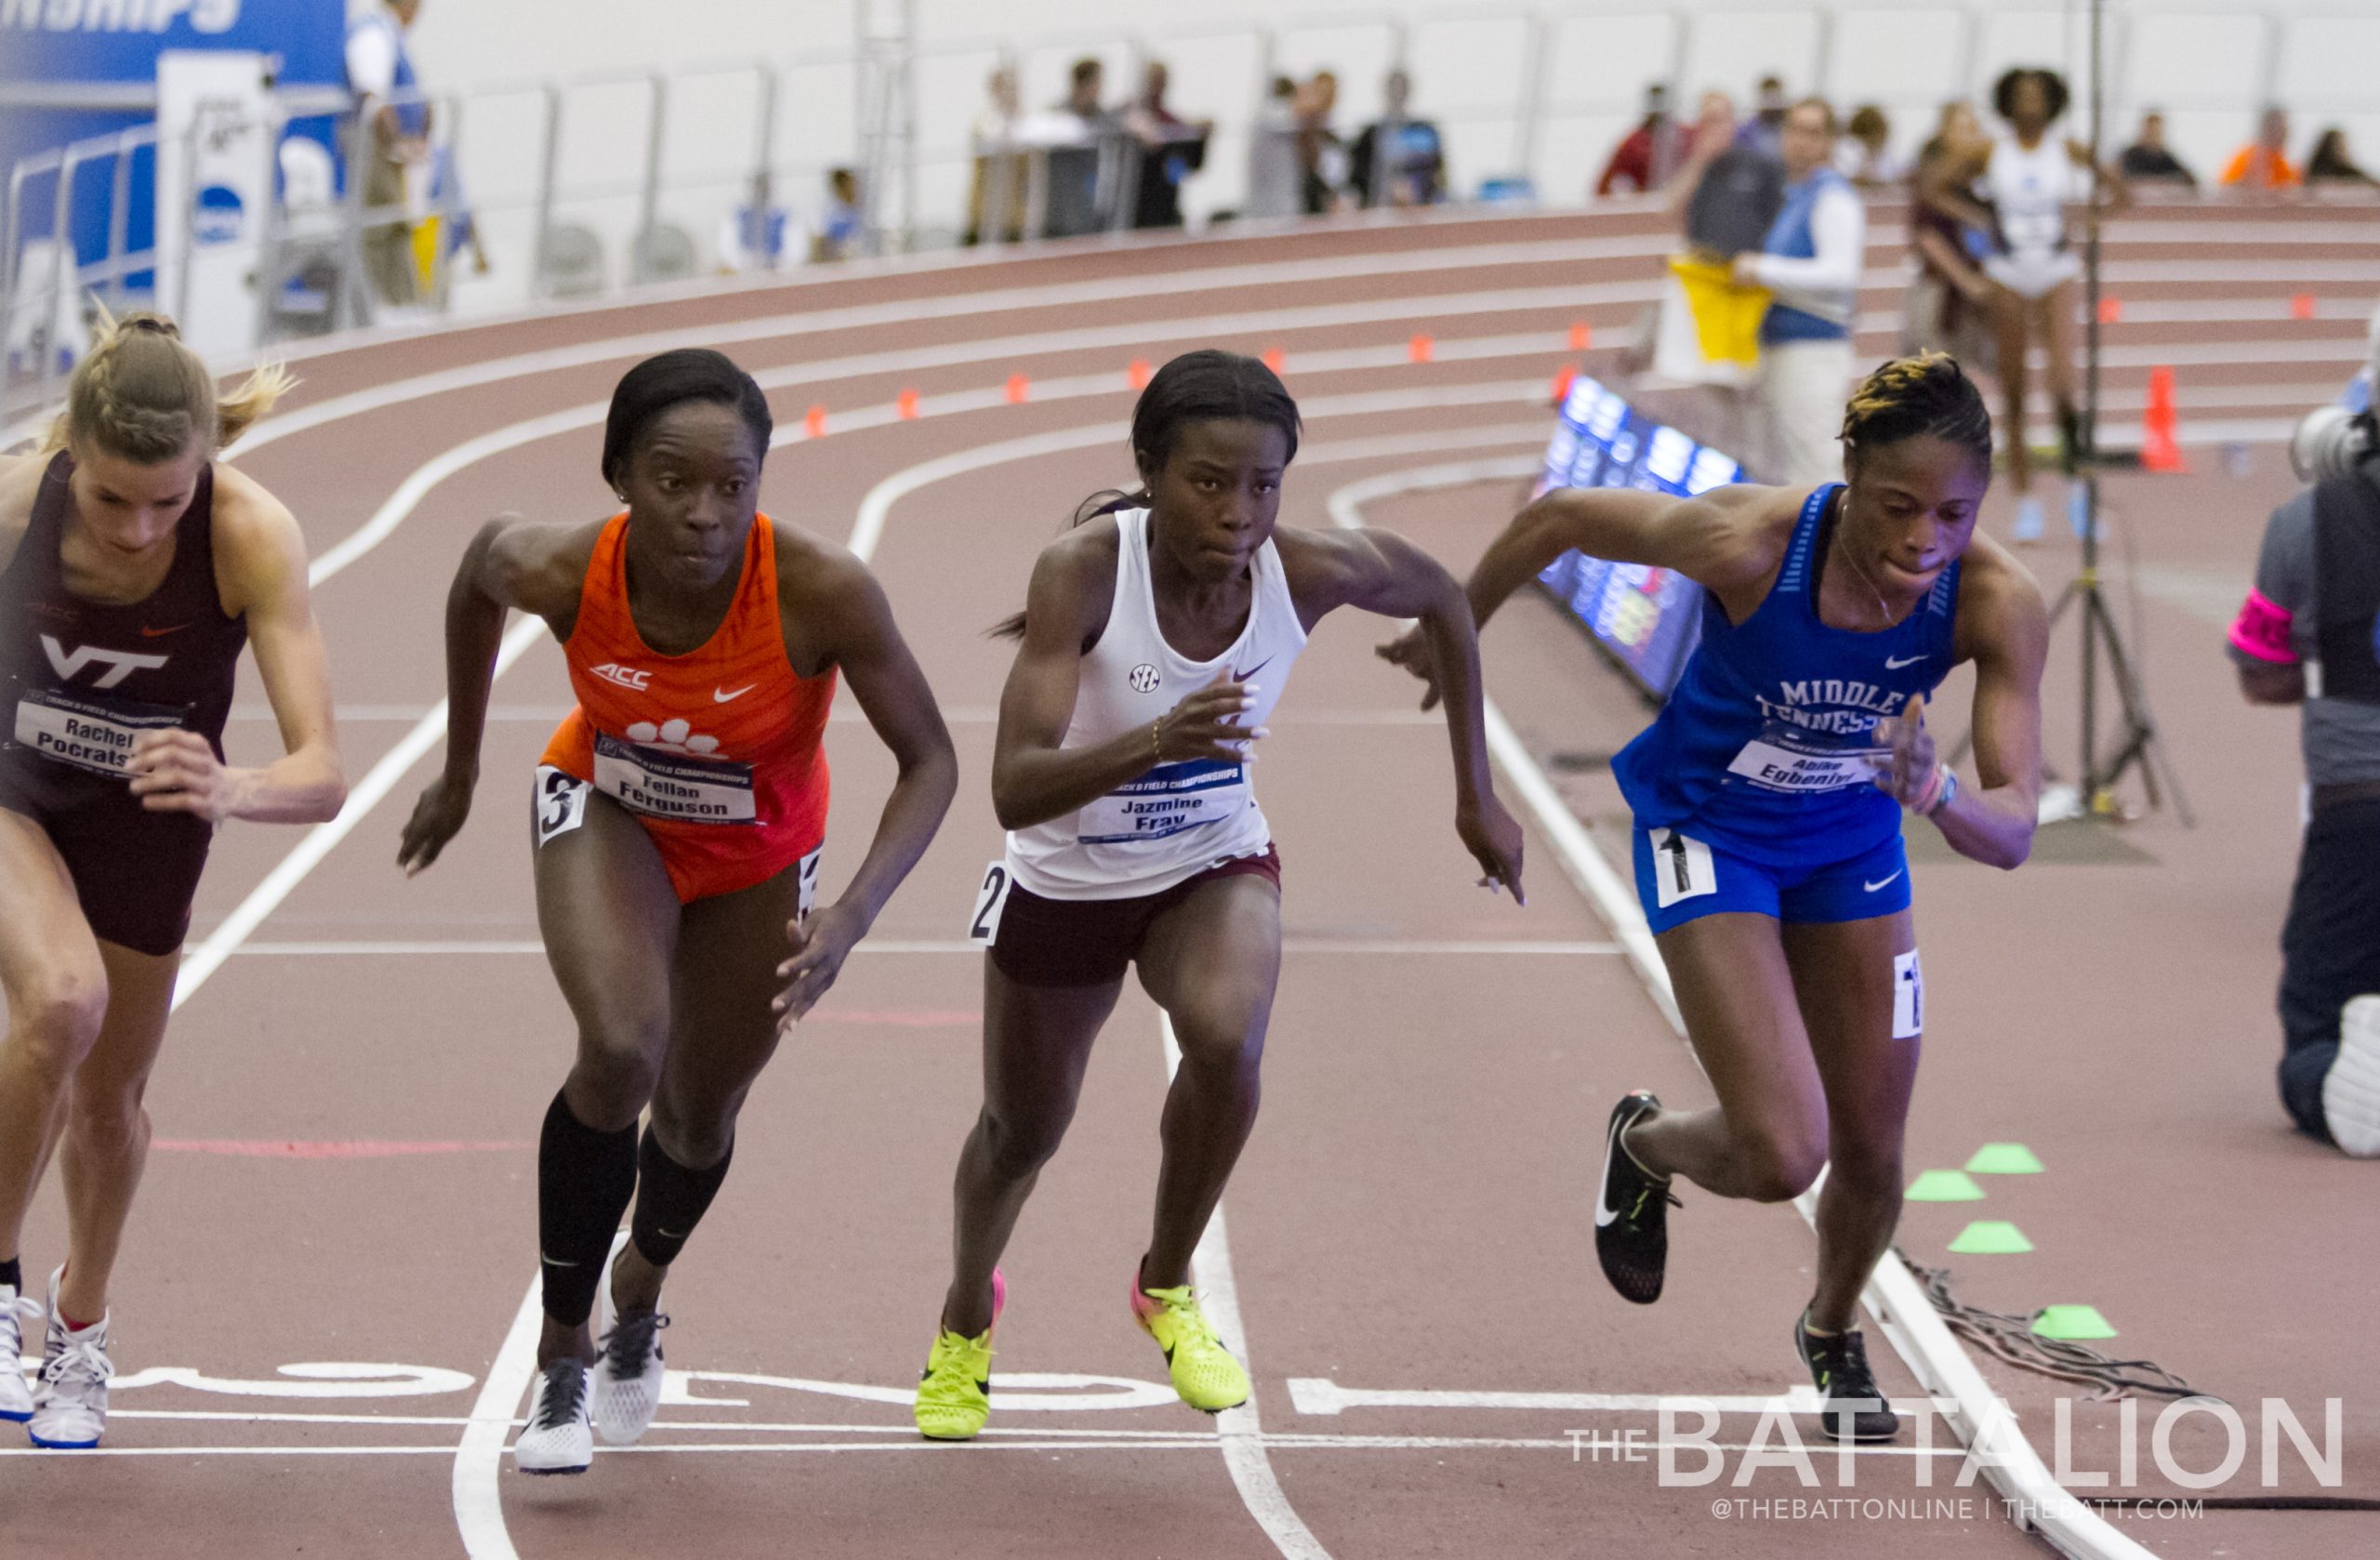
(380, 74)
(1811, 261)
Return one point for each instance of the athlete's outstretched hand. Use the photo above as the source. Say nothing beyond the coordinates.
(1493, 836)
(437, 818)
(820, 945)
(1206, 724)
(1412, 650)
(1909, 775)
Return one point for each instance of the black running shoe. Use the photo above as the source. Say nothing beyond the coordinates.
(1631, 1210)
(1855, 1409)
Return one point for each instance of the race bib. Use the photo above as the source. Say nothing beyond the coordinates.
(1171, 799)
(984, 927)
(657, 784)
(559, 803)
(1909, 997)
(1776, 760)
(89, 734)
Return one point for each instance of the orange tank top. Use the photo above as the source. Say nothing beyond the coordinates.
(718, 752)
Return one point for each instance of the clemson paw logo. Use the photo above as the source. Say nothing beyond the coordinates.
(672, 737)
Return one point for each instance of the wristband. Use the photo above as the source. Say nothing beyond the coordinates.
(1947, 779)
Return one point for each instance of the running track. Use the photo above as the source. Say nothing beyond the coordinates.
(322, 1321)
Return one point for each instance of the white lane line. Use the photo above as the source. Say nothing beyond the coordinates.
(1314, 1395)
(1395, 946)
(201, 962)
(479, 1506)
(1979, 1416)
(1240, 1429)
(1578, 1446)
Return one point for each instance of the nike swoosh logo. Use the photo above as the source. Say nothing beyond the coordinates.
(1894, 662)
(1605, 1213)
(1244, 676)
(1886, 883)
(719, 698)
(556, 1262)
(149, 633)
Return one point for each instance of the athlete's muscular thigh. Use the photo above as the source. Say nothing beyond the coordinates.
(610, 921)
(1735, 991)
(1847, 977)
(1212, 962)
(723, 1032)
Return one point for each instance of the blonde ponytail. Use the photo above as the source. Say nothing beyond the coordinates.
(140, 394)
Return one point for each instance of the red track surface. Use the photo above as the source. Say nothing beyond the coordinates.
(348, 1179)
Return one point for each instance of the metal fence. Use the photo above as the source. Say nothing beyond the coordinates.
(587, 185)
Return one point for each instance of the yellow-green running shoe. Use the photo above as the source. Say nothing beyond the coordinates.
(955, 1392)
(1204, 1372)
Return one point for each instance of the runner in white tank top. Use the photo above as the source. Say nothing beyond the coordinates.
(1180, 818)
(1157, 634)
(2028, 176)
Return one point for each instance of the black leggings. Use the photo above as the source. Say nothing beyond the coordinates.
(2329, 950)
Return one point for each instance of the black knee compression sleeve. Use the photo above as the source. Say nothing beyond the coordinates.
(670, 1201)
(584, 1179)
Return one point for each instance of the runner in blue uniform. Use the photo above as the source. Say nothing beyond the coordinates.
(1769, 797)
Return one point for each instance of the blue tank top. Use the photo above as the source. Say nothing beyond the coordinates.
(1767, 745)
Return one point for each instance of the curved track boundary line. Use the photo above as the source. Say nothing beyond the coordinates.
(1980, 1418)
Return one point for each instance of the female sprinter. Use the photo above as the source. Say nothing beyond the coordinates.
(133, 567)
(1768, 797)
(2017, 187)
(676, 821)
(1157, 635)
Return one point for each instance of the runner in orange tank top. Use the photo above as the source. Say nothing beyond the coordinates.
(676, 821)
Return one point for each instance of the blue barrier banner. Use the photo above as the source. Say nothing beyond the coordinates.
(1647, 620)
(54, 47)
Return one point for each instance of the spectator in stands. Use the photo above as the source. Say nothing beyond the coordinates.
(1764, 131)
(754, 237)
(1072, 206)
(2264, 162)
(1730, 193)
(1811, 261)
(1649, 156)
(1322, 158)
(1000, 165)
(2148, 161)
(842, 227)
(1171, 147)
(1950, 303)
(2317, 590)
(380, 74)
(1399, 160)
(2329, 162)
(1274, 180)
(1865, 155)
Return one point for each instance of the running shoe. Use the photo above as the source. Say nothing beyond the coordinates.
(1855, 1408)
(1632, 1209)
(624, 1389)
(16, 1393)
(954, 1390)
(1203, 1370)
(558, 1438)
(71, 1404)
(2029, 520)
(2351, 1089)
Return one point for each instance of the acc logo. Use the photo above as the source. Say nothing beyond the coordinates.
(626, 677)
(121, 664)
(1144, 677)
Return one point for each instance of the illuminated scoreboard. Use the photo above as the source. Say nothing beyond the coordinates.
(1645, 619)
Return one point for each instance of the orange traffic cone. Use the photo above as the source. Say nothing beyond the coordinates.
(1562, 382)
(2159, 450)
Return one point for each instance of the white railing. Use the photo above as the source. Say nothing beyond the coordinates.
(590, 184)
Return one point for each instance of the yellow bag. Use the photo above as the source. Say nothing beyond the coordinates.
(1726, 313)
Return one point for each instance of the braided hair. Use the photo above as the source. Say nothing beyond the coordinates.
(1926, 395)
(140, 394)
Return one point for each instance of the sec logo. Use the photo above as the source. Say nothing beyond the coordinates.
(1144, 677)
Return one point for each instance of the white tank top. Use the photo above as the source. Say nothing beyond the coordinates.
(1178, 819)
(2028, 191)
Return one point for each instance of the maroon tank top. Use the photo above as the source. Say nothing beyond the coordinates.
(86, 678)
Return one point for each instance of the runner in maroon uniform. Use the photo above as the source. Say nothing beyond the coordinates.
(133, 567)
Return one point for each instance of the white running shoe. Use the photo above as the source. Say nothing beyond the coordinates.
(626, 1391)
(2351, 1089)
(557, 1439)
(16, 1393)
(70, 1405)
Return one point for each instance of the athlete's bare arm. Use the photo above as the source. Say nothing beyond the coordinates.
(2004, 627)
(1730, 540)
(1065, 609)
(1948, 186)
(1381, 572)
(835, 615)
(19, 480)
(538, 569)
(260, 572)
